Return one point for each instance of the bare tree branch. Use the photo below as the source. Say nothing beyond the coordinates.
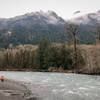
(72, 30)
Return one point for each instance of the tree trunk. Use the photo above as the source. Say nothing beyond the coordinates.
(75, 52)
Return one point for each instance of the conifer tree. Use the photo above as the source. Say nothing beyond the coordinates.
(41, 54)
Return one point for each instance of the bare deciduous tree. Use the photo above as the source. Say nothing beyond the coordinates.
(72, 31)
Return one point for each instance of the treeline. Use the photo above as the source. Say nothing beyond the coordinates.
(45, 56)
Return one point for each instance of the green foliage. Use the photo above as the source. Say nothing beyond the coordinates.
(51, 56)
(65, 57)
(41, 54)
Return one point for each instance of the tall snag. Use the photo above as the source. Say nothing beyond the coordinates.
(72, 31)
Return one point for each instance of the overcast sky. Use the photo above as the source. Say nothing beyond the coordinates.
(64, 8)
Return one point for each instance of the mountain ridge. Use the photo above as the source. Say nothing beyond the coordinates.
(30, 28)
(86, 18)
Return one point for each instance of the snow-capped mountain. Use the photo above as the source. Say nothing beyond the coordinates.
(31, 28)
(30, 19)
(41, 17)
(87, 23)
(87, 18)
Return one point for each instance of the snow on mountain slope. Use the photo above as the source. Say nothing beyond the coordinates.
(49, 17)
(87, 18)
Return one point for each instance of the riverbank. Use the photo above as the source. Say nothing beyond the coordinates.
(80, 71)
(24, 60)
(11, 90)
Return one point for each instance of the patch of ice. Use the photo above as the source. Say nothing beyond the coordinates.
(62, 85)
(83, 88)
(71, 92)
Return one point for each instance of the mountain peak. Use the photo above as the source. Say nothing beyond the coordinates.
(49, 17)
(87, 18)
(50, 12)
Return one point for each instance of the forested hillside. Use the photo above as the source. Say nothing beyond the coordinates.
(33, 27)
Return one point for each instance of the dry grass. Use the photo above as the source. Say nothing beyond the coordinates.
(91, 54)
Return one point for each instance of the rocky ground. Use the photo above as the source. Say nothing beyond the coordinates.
(11, 90)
